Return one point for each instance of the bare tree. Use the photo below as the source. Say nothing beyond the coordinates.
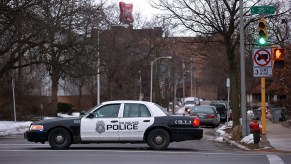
(210, 17)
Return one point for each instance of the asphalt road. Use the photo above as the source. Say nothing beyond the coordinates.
(14, 150)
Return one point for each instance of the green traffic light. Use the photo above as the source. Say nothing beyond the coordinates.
(262, 41)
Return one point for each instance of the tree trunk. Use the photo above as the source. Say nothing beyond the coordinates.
(234, 89)
(55, 82)
(234, 100)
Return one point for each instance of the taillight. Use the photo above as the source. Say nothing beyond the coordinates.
(196, 122)
(210, 116)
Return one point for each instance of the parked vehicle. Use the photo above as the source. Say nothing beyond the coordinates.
(221, 107)
(206, 114)
(189, 102)
(279, 114)
(258, 113)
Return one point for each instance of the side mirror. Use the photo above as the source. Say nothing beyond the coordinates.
(91, 115)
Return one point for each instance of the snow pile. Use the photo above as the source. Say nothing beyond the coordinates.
(12, 128)
(248, 139)
(74, 114)
(219, 139)
(221, 131)
(181, 111)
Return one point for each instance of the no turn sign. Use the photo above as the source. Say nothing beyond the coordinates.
(262, 57)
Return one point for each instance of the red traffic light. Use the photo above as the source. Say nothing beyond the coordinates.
(278, 54)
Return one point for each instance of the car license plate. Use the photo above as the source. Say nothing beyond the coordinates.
(201, 115)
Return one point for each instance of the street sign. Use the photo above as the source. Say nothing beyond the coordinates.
(262, 72)
(263, 10)
(262, 57)
(262, 62)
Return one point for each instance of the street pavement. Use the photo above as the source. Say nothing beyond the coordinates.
(279, 136)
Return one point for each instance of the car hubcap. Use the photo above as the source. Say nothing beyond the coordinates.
(158, 140)
(59, 139)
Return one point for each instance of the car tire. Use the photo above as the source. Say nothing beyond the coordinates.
(59, 138)
(158, 139)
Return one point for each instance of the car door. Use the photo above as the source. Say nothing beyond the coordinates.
(136, 118)
(101, 124)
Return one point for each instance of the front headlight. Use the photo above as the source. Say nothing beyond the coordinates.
(36, 127)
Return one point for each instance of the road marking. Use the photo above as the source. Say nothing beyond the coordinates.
(274, 159)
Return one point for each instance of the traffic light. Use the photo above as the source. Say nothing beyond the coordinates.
(278, 57)
(263, 33)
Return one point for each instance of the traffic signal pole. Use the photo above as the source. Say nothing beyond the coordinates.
(263, 96)
(262, 41)
(264, 141)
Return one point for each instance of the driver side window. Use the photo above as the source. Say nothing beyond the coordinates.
(107, 111)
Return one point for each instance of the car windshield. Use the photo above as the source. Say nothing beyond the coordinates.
(200, 109)
(163, 109)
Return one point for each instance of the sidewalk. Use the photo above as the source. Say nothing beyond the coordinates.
(278, 135)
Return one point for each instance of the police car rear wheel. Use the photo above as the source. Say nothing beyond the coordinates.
(59, 138)
(158, 139)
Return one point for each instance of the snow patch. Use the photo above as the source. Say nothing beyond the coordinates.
(248, 139)
(13, 128)
(219, 139)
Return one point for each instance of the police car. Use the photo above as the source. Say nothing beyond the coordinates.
(117, 121)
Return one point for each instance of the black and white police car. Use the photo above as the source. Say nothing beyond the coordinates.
(117, 121)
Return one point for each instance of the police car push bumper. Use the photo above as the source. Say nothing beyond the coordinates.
(117, 121)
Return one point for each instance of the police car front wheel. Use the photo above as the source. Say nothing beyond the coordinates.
(158, 139)
(59, 138)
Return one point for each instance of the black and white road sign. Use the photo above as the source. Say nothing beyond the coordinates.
(262, 71)
(262, 62)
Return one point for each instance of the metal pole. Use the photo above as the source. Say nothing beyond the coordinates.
(140, 96)
(98, 69)
(264, 141)
(151, 91)
(242, 71)
(263, 99)
(152, 63)
(191, 92)
(14, 106)
(228, 92)
(183, 79)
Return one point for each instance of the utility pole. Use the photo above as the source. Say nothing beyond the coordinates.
(242, 73)
(13, 92)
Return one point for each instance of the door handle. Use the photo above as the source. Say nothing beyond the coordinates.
(114, 121)
(146, 120)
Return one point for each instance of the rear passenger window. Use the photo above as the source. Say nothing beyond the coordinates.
(135, 110)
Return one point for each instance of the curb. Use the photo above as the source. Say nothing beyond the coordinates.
(236, 144)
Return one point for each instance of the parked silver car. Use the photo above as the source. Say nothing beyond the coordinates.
(206, 114)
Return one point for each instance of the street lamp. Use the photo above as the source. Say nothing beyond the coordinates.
(152, 63)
